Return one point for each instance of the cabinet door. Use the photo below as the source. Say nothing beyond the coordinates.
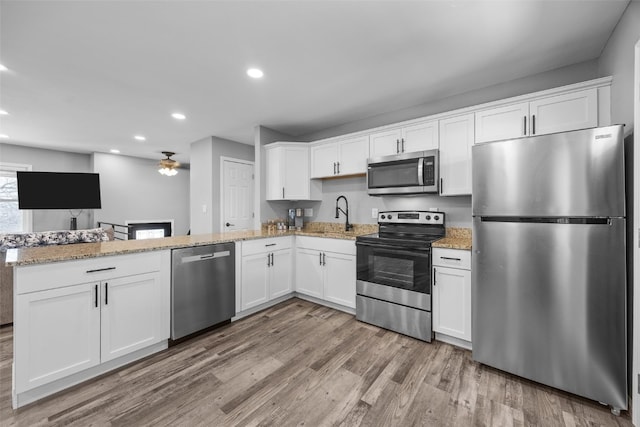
(385, 143)
(340, 279)
(452, 302)
(566, 112)
(309, 272)
(324, 159)
(456, 140)
(419, 137)
(280, 273)
(511, 121)
(296, 173)
(352, 155)
(255, 286)
(59, 334)
(131, 314)
(274, 185)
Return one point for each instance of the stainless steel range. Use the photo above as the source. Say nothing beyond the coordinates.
(394, 272)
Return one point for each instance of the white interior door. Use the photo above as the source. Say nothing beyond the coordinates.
(237, 195)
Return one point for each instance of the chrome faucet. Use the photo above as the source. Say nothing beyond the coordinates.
(347, 226)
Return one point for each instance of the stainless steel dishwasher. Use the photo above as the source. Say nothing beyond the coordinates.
(203, 287)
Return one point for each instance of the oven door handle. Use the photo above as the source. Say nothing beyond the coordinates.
(425, 252)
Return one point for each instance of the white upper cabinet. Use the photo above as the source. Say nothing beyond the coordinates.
(502, 122)
(287, 172)
(456, 140)
(340, 158)
(560, 113)
(417, 137)
(571, 111)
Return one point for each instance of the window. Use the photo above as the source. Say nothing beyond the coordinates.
(12, 220)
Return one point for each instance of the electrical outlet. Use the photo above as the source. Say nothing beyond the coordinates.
(374, 213)
(308, 211)
(204, 208)
(434, 209)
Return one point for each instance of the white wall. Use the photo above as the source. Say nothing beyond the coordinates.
(205, 180)
(617, 60)
(554, 78)
(51, 161)
(132, 189)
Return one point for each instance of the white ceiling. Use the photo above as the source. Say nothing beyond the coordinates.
(88, 76)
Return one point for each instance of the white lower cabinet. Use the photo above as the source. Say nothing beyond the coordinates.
(131, 314)
(266, 270)
(57, 334)
(451, 294)
(326, 269)
(67, 323)
(309, 277)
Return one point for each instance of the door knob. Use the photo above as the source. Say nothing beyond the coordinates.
(229, 225)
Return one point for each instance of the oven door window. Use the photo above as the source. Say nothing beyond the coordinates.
(399, 173)
(410, 270)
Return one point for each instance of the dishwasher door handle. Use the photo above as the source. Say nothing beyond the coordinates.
(195, 258)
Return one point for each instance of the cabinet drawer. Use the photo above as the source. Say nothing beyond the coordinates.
(455, 258)
(40, 277)
(270, 244)
(325, 244)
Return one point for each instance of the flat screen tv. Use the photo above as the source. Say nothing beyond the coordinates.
(58, 190)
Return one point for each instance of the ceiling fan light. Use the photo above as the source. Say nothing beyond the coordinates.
(168, 166)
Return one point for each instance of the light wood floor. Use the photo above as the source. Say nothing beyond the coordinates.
(302, 364)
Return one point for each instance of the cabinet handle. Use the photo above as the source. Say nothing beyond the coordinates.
(334, 168)
(402, 145)
(270, 244)
(272, 263)
(324, 259)
(533, 124)
(441, 185)
(397, 146)
(434, 277)
(106, 293)
(320, 253)
(268, 260)
(450, 258)
(100, 269)
(283, 192)
(95, 290)
(524, 130)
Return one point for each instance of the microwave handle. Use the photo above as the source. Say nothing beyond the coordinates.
(421, 171)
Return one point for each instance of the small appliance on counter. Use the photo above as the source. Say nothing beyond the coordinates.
(295, 218)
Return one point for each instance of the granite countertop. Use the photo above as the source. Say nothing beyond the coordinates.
(55, 253)
(456, 238)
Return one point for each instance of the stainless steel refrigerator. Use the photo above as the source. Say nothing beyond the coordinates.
(549, 268)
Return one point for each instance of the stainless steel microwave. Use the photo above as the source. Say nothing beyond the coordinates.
(407, 173)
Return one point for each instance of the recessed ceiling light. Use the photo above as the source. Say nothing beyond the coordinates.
(2, 135)
(178, 116)
(114, 151)
(139, 138)
(3, 68)
(3, 113)
(255, 73)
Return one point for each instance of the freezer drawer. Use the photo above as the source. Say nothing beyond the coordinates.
(549, 304)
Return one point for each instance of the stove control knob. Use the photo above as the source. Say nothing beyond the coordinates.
(383, 217)
(428, 217)
(389, 216)
(436, 217)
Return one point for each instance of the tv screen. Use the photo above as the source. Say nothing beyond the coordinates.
(58, 190)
